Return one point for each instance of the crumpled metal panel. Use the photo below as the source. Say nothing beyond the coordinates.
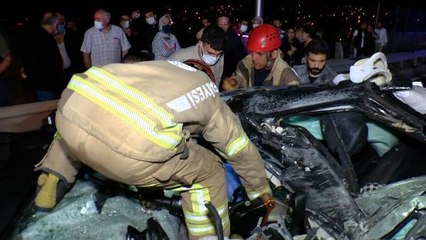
(260, 103)
(76, 217)
(299, 163)
(304, 166)
(305, 169)
(390, 205)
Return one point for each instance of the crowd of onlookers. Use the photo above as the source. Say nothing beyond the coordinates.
(57, 48)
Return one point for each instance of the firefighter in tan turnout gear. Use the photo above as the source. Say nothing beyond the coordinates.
(132, 123)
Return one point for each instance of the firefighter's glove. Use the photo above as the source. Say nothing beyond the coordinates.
(229, 83)
(50, 190)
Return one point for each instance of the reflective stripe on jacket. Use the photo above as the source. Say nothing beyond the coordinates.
(142, 111)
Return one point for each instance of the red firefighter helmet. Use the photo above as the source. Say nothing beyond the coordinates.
(264, 38)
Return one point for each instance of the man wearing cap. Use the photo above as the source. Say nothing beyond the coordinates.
(263, 66)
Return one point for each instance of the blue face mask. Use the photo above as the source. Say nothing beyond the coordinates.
(210, 59)
(60, 28)
(150, 20)
(98, 25)
(166, 28)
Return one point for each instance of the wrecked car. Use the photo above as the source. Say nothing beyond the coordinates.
(344, 162)
(316, 144)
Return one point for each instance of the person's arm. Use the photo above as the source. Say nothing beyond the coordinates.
(5, 55)
(289, 78)
(291, 51)
(5, 63)
(226, 134)
(375, 35)
(238, 80)
(330, 73)
(86, 48)
(177, 44)
(242, 75)
(354, 35)
(199, 33)
(125, 44)
(385, 37)
(124, 53)
(86, 60)
(157, 47)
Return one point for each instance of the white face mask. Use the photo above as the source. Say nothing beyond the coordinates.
(255, 25)
(98, 25)
(150, 20)
(243, 28)
(125, 24)
(209, 59)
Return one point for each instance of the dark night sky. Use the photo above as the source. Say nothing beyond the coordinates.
(19, 8)
(402, 15)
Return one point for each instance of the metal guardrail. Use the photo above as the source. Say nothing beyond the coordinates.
(401, 58)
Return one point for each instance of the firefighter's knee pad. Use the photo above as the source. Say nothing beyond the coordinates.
(50, 190)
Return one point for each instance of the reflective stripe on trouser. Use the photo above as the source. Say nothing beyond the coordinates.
(198, 220)
(210, 186)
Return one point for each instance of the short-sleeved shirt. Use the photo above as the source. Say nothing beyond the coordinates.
(105, 47)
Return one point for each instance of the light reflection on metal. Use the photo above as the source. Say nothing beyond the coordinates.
(377, 15)
(259, 8)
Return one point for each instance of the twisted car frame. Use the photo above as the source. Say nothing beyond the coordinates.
(318, 146)
(325, 174)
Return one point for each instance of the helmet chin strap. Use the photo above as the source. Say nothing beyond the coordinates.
(270, 60)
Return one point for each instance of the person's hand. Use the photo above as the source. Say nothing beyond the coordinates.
(229, 83)
(292, 51)
(22, 73)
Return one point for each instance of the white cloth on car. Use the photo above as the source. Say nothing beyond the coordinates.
(415, 98)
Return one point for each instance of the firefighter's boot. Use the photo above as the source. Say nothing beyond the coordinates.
(50, 191)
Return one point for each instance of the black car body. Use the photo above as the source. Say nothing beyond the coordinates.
(334, 187)
(328, 173)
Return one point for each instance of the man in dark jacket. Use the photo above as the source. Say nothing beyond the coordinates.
(43, 61)
(234, 49)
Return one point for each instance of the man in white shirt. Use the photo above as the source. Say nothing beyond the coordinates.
(382, 38)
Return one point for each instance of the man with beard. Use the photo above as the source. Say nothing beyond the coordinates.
(316, 70)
